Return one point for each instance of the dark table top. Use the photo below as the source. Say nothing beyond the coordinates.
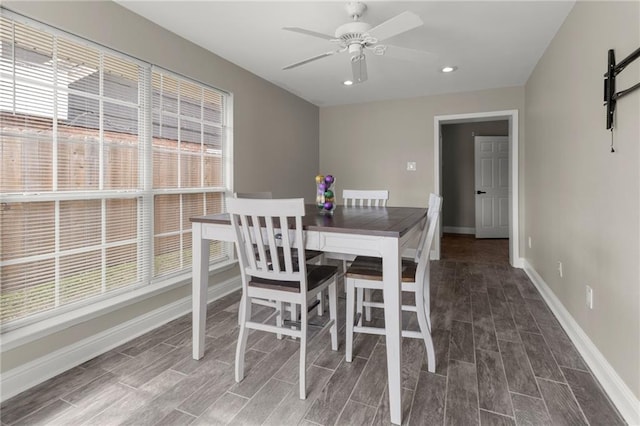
(381, 221)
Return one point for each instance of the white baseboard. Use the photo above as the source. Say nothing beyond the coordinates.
(37, 371)
(458, 230)
(617, 390)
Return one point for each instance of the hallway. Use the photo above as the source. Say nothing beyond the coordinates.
(466, 248)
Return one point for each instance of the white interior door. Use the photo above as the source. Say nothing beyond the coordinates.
(492, 186)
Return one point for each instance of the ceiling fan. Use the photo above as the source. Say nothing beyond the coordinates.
(357, 36)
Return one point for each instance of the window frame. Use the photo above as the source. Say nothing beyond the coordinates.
(38, 325)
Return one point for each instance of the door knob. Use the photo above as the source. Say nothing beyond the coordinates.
(481, 192)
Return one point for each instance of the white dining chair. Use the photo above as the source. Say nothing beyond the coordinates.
(312, 256)
(269, 225)
(360, 198)
(370, 198)
(366, 273)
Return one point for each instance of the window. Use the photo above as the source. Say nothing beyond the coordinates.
(187, 164)
(103, 160)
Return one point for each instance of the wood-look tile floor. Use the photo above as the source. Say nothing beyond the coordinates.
(502, 359)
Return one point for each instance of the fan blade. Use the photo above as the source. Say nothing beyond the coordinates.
(309, 33)
(313, 58)
(406, 54)
(398, 24)
(359, 69)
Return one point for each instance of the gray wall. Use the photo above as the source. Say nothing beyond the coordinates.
(367, 146)
(458, 169)
(268, 122)
(581, 201)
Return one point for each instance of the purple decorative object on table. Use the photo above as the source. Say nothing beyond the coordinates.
(325, 199)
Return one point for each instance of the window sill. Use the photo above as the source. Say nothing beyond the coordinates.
(32, 332)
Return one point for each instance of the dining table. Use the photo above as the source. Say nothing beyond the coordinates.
(370, 231)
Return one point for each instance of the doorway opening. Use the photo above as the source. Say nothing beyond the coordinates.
(510, 119)
(468, 249)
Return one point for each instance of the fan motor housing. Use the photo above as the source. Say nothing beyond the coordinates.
(352, 32)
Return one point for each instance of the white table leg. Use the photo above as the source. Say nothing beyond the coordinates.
(200, 283)
(393, 324)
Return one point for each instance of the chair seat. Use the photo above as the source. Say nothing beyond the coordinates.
(370, 268)
(316, 276)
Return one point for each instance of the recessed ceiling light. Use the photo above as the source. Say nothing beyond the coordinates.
(449, 69)
(347, 82)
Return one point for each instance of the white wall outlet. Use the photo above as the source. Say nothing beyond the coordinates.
(589, 297)
(529, 242)
(560, 268)
(411, 166)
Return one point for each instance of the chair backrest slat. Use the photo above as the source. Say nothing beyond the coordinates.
(423, 238)
(361, 198)
(434, 207)
(259, 243)
(286, 244)
(423, 252)
(433, 214)
(246, 235)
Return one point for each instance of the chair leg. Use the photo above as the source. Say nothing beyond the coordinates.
(333, 308)
(349, 286)
(321, 296)
(294, 315)
(367, 298)
(303, 352)
(240, 308)
(344, 271)
(279, 316)
(425, 328)
(242, 338)
(359, 297)
(321, 299)
(427, 303)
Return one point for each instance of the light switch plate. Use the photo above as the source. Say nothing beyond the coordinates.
(411, 166)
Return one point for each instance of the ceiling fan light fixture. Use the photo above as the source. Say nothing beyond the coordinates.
(448, 69)
(355, 36)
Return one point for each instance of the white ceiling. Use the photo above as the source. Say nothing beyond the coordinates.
(493, 43)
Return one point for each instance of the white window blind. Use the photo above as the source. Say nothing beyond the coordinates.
(187, 161)
(103, 162)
